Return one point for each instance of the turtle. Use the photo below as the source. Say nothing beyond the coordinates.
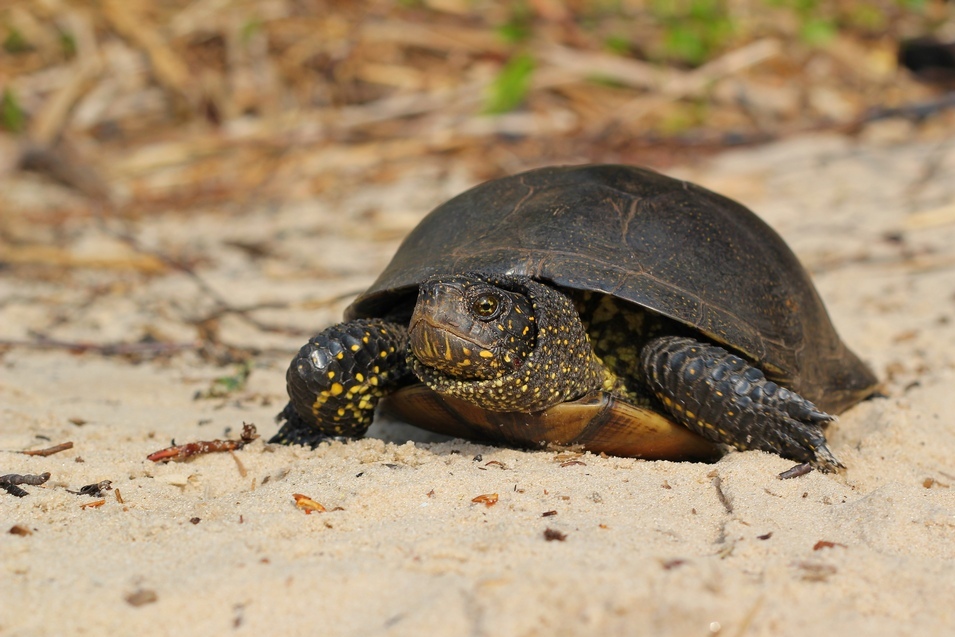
(604, 307)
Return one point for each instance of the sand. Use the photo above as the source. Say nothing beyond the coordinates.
(216, 545)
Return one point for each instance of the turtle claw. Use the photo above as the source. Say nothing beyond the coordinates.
(800, 469)
(825, 461)
(296, 431)
(829, 464)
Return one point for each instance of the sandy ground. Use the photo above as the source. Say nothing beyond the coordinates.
(216, 545)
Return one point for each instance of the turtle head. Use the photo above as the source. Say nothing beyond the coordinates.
(504, 343)
(470, 327)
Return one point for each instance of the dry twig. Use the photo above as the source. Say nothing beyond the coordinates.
(182, 452)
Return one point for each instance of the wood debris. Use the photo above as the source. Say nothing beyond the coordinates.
(487, 499)
(182, 452)
(307, 504)
(95, 490)
(141, 597)
(347, 92)
(10, 482)
(49, 451)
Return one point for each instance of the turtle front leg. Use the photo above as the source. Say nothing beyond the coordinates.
(337, 379)
(723, 398)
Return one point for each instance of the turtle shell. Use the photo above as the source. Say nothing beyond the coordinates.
(660, 243)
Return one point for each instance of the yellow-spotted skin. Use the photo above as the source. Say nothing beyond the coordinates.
(618, 331)
(533, 351)
(337, 379)
(725, 399)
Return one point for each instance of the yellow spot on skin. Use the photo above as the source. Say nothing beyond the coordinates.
(359, 378)
(466, 351)
(331, 375)
(355, 347)
(340, 355)
(336, 389)
(486, 354)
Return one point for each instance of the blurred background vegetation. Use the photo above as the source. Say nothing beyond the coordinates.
(144, 104)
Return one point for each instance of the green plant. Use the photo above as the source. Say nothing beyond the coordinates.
(511, 85)
(249, 29)
(817, 26)
(15, 42)
(67, 44)
(693, 30)
(912, 5)
(518, 27)
(617, 44)
(224, 386)
(12, 116)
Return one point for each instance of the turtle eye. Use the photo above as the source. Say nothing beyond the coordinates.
(486, 306)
